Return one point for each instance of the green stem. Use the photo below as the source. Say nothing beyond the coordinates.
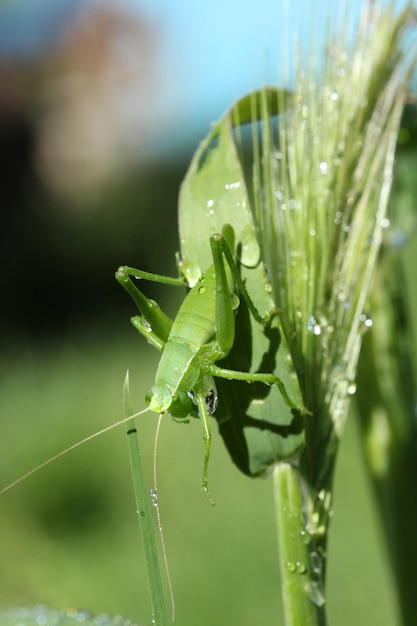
(302, 590)
(143, 508)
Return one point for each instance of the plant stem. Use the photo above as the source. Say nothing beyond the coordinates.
(143, 509)
(301, 574)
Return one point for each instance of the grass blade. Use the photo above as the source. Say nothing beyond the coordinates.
(144, 512)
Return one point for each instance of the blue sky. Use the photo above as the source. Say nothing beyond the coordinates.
(210, 53)
(224, 48)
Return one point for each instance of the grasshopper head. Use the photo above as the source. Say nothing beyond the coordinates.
(160, 398)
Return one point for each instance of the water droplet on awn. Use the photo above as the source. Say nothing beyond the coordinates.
(315, 593)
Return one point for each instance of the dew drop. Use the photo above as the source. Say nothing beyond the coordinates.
(154, 497)
(300, 567)
(210, 203)
(338, 217)
(232, 185)
(145, 324)
(291, 566)
(313, 327)
(323, 167)
(316, 562)
(351, 389)
(366, 322)
(202, 290)
(341, 295)
(385, 222)
(315, 593)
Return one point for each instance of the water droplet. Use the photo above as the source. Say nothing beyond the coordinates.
(366, 323)
(202, 290)
(293, 204)
(291, 566)
(351, 389)
(235, 301)
(341, 295)
(323, 167)
(232, 185)
(300, 567)
(316, 562)
(154, 497)
(145, 324)
(305, 537)
(338, 218)
(385, 222)
(313, 327)
(315, 593)
(210, 203)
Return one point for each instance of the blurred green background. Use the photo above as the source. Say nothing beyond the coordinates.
(76, 204)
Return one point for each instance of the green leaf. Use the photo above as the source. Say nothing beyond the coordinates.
(257, 425)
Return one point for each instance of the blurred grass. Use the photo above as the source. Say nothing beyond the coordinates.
(69, 536)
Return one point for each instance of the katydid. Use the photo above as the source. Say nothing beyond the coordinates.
(202, 333)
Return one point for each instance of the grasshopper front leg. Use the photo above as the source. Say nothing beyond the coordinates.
(156, 326)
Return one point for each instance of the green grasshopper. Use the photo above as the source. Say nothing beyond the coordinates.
(202, 333)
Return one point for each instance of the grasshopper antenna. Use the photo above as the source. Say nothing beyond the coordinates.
(154, 495)
(75, 445)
